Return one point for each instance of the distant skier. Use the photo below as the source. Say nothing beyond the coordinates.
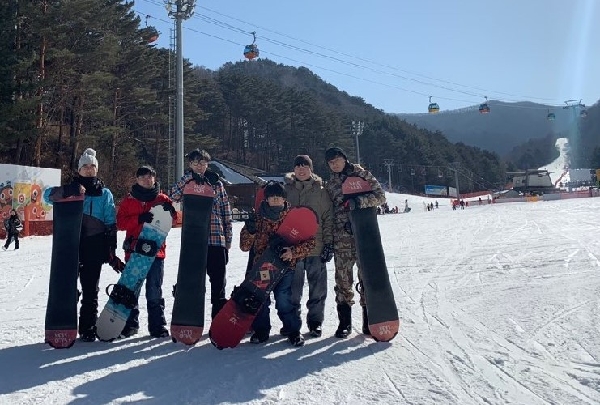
(13, 226)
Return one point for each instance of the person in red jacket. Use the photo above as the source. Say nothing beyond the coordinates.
(133, 212)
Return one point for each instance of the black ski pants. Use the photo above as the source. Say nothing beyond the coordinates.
(92, 254)
(216, 264)
(10, 237)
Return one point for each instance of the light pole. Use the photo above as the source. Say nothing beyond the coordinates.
(455, 170)
(179, 10)
(389, 163)
(357, 130)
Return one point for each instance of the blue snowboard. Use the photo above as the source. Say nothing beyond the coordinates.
(123, 297)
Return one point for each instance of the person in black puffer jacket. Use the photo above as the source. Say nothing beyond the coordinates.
(13, 226)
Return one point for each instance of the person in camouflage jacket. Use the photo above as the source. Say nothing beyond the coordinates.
(256, 233)
(343, 240)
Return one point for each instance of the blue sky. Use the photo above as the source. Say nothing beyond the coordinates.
(396, 53)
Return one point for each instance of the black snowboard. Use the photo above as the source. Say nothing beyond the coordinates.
(187, 321)
(381, 305)
(61, 311)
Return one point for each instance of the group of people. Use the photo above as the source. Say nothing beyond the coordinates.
(334, 239)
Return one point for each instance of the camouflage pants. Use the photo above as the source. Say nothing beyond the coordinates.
(345, 258)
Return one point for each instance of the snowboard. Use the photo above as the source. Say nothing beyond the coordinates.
(381, 305)
(124, 295)
(61, 310)
(187, 320)
(236, 317)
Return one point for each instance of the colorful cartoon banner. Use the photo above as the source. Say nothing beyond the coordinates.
(22, 188)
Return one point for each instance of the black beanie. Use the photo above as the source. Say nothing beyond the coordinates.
(274, 189)
(144, 170)
(334, 152)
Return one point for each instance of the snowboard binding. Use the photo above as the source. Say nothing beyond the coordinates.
(122, 295)
(248, 301)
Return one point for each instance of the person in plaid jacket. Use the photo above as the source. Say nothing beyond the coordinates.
(220, 236)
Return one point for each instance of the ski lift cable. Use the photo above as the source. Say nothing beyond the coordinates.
(347, 63)
(368, 60)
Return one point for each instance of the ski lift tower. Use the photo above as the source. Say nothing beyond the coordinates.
(357, 130)
(179, 10)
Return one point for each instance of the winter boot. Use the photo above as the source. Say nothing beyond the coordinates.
(296, 339)
(160, 333)
(345, 316)
(259, 336)
(216, 307)
(128, 331)
(314, 329)
(365, 325)
(88, 335)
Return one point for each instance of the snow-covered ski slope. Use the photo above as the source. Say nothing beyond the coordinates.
(559, 168)
(500, 304)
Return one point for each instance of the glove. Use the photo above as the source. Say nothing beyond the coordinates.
(348, 228)
(277, 243)
(70, 190)
(145, 217)
(226, 256)
(116, 263)
(211, 177)
(167, 206)
(327, 253)
(198, 178)
(250, 224)
(351, 203)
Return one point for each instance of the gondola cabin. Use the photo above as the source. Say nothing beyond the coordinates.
(433, 108)
(251, 51)
(484, 108)
(150, 34)
(583, 113)
(551, 116)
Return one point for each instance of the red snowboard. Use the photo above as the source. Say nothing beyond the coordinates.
(235, 318)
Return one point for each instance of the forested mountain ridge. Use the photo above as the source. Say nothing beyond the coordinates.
(520, 133)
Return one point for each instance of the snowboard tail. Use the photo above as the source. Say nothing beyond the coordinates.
(235, 319)
(187, 319)
(61, 309)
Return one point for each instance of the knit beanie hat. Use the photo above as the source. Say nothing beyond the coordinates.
(275, 189)
(88, 158)
(144, 170)
(334, 152)
(303, 160)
